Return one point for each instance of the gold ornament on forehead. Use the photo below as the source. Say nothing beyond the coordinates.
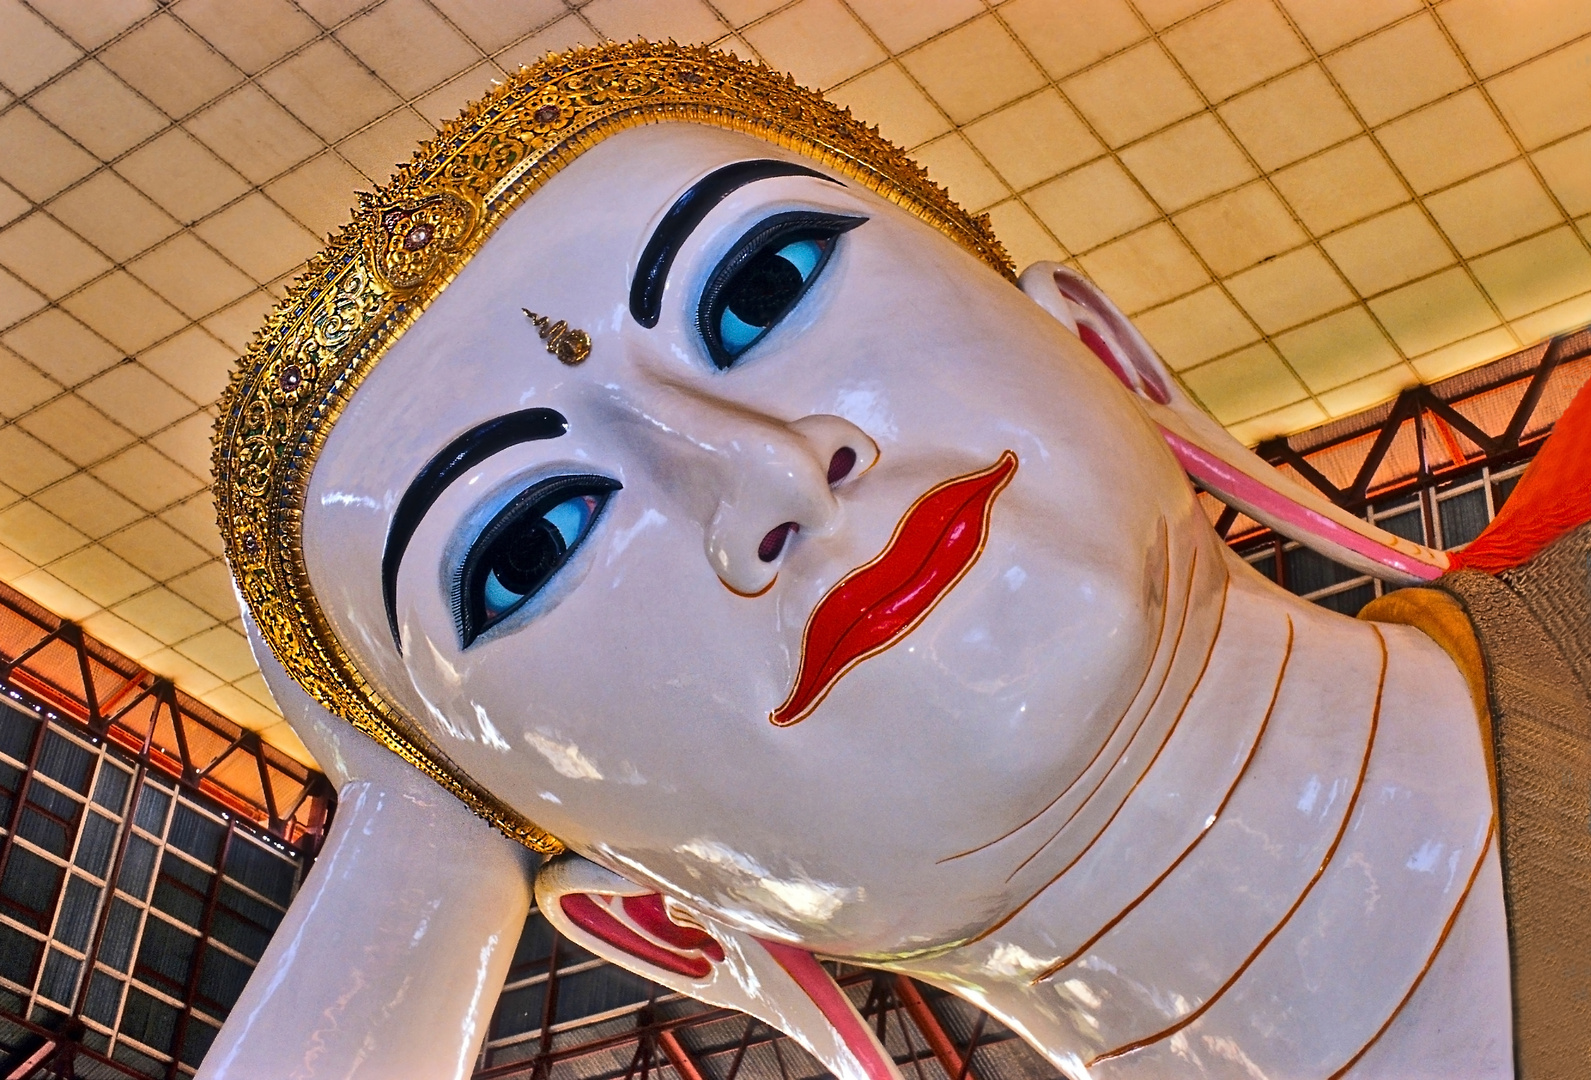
(406, 242)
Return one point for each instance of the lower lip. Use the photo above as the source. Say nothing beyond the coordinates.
(876, 605)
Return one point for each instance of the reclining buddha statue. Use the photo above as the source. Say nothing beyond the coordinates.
(662, 502)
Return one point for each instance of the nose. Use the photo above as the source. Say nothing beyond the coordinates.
(757, 483)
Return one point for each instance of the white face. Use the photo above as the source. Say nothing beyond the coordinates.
(619, 692)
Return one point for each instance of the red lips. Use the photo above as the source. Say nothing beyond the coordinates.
(876, 605)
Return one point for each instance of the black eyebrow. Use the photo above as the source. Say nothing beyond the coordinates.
(646, 291)
(447, 465)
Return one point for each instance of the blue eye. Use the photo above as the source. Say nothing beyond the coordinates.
(762, 278)
(524, 546)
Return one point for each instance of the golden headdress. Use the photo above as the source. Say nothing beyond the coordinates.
(405, 243)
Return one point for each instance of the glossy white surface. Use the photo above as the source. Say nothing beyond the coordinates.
(392, 955)
(1252, 821)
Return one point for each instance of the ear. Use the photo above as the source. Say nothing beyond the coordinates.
(688, 952)
(1225, 467)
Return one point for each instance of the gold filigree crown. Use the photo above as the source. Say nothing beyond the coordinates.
(406, 242)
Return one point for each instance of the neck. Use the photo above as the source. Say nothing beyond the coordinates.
(1281, 837)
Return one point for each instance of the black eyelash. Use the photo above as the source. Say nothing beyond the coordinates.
(795, 225)
(538, 499)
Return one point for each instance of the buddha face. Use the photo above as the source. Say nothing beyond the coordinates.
(836, 557)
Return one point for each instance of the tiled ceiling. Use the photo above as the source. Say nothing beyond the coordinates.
(1307, 204)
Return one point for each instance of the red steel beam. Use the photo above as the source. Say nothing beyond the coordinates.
(934, 1034)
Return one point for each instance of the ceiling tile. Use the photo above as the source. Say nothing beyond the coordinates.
(1195, 328)
(1496, 34)
(1033, 139)
(1435, 312)
(188, 676)
(47, 256)
(193, 362)
(221, 650)
(17, 300)
(170, 65)
(149, 479)
(1244, 384)
(1298, 416)
(1162, 13)
(1290, 118)
(76, 430)
(62, 347)
(51, 592)
(326, 89)
(195, 519)
(12, 204)
(88, 505)
(33, 52)
(1535, 273)
(251, 35)
(124, 312)
(188, 442)
(1161, 162)
(98, 110)
(409, 45)
(1493, 209)
(1388, 250)
(320, 193)
(164, 614)
(1091, 205)
(36, 159)
(973, 69)
(741, 12)
(951, 162)
(448, 101)
(1330, 23)
(99, 575)
(112, 215)
(1068, 37)
(1401, 68)
(887, 97)
(126, 639)
(1132, 94)
(1547, 98)
(1447, 141)
(491, 24)
(332, 12)
(26, 464)
(1549, 321)
(1370, 391)
(1234, 46)
(683, 20)
(235, 326)
(380, 148)
(1464, 355)
(1146, 268)
(132, 396)
(22, 386)
(1240, 228)
(184, 178)
(253, 134)
(1341, 185)
(566, 33)
(259, 236)
(208, 587)
(37, 535)
(1289, 290)
(229, 701)
(1338, 349)
(92, 25)
(1025, 239)
(1566, 167)
(190, 276)
(900, 26)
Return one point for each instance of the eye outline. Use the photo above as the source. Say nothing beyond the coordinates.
(783, 228)
(538, 499)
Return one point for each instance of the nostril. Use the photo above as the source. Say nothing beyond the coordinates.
(773, 543)
(841, 464)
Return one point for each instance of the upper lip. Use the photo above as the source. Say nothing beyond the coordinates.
(936, 542)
